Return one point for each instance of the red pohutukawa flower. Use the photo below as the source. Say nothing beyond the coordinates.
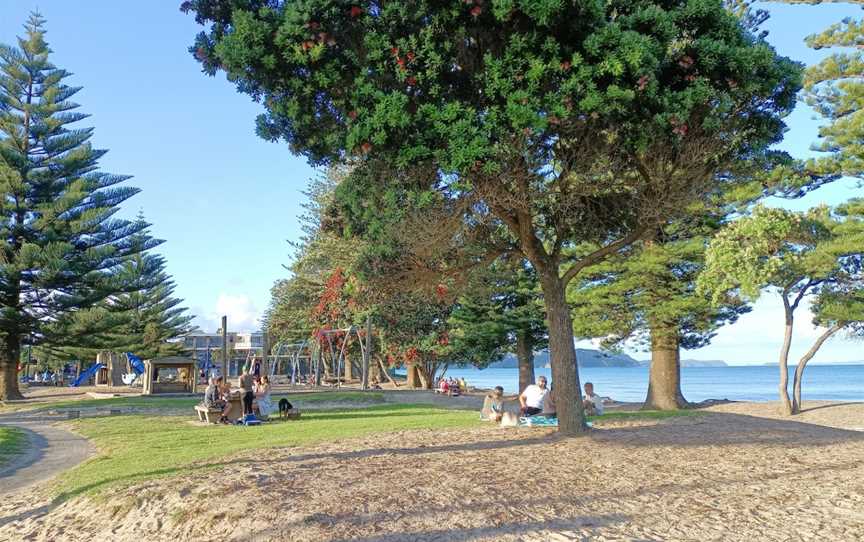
(355, 11)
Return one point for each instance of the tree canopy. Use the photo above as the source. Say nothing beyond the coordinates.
(544, 123)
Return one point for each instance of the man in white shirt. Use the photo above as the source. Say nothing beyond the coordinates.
(593, 403)
(531, 399)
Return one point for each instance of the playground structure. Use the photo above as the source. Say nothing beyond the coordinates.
(170, 375)
(324, 357)
(112, 370)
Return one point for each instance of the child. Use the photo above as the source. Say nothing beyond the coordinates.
(493, 405)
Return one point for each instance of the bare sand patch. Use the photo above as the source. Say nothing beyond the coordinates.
(730, 474)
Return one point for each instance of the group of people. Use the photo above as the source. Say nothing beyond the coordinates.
(254, 392)
(451, 386)
(48, 378)
(537, 400)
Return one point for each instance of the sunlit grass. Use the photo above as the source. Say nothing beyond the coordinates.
(180, 403)
(136, 447)
(11, 443)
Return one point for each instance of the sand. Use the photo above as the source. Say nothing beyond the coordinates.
(735, 473)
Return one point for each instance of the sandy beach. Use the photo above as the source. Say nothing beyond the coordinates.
(738, 472)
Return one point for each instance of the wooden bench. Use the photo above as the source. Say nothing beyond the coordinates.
(208, 414)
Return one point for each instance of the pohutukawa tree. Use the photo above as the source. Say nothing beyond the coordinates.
(816, 255)
(59, 240)
(546, 123)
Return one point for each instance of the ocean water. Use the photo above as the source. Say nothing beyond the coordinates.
(738, 383)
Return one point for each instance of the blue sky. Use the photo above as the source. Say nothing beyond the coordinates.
(227, 202)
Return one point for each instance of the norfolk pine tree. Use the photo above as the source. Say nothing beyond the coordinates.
(565, 122)
(59, 240)
(150, 317)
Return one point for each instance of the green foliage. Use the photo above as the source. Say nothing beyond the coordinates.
(149, 319)
(498, 306)
(60, 240)
(651, 289)
(834, 87)
(817, 252)
(449, 81)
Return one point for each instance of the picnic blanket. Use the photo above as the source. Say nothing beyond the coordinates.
(538, 421)
(541, 421)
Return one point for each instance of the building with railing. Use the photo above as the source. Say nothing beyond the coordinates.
(207, 348)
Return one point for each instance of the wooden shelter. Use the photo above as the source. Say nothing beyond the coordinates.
(112, 371)
(170, 375)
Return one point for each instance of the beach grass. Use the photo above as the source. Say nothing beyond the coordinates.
(136, 447)
(179, 403)
(11, 443)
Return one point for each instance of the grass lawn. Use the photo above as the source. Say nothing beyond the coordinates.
(172, 403)
(135, 447)
(11, 442)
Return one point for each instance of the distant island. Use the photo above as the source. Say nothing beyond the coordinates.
(693, 363)
(589, 357)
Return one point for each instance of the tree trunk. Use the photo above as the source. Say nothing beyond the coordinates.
(562, 355)
(386, 373)
(525, 355)
(426, 374)
(802, 363)
(783, 388)
(9, 359)
(412, 376)
(664, 382)
(349, 370)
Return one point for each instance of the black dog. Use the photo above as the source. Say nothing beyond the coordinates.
(284, 407)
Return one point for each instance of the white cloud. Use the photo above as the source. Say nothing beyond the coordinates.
(241, 311)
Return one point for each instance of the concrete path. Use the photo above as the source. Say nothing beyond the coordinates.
(49, 451)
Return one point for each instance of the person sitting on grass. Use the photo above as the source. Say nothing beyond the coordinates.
(213, 398)
(532, 397)
(493, 405)
(593, 403)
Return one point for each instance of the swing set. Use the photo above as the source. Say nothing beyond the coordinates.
(323, 357)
